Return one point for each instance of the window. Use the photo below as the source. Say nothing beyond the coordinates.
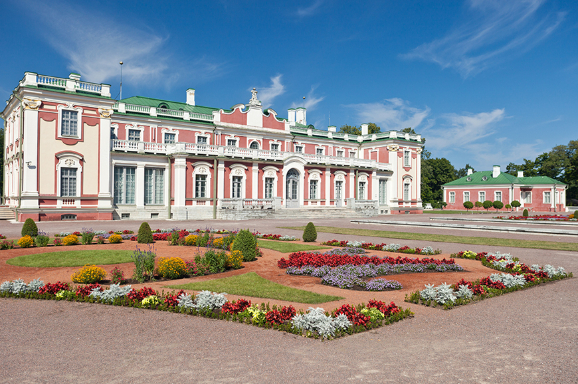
(237, 183)
(154, 186)
(361, 194)
(466, 196)
(299, 148)
(406, 159)
(254, 145)
(269, 183)
(124, 185)
(498, 196)
(170, 138)
(382, 191)
(134, 135)
(232, 142)
(452, 197)
(69, 125)
(547, 199)
(406, 191)
(67, 182)
(527, 197)
(339, 154)
(274, 146)
(351, 153)
(201, 139)
(338, 189)
(113, 133)
(481, 196)
(200, 186)
(319, 151)
(313, 189)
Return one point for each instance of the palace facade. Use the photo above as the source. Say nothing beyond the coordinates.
(73, 152)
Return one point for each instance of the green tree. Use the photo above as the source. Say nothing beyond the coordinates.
(145, 234)
(516, 204)
(246, 243)
(468, 205)
(479, 204)
(435, 173)
(353, 130)
(498, 205)
(310, 233)
(464, 171)
(488, 204)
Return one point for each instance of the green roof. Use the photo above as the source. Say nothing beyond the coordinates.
(485, 178)
(150, 102)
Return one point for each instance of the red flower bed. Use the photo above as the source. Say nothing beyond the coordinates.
(161, 236)
(234, 307)
(171, 300)
(352, 315)
(300, 259)
(141, 294)
(53, 288)
(383, 308)
(86, 289)
(279, 317)
(271, 236)
(536, 217)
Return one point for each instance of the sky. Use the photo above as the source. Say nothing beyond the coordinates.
(485, 82)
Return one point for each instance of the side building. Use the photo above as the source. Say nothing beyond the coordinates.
(537, 194)
(73, 152)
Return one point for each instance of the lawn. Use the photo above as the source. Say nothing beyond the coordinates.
(72, 258)
(489, 241)
(252, 285)
(286, 247)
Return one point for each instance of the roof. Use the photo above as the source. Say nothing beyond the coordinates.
(150, 102)
(486, 178)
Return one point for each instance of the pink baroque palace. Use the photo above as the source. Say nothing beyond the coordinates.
(73, 152)
(536, 193)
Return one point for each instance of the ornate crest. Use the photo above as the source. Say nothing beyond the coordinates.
(69, 162)
(270, 174)
(238, 171)
(105, 113)
(202, 170)
(393, 147)
(419, 150)
(254, 102)
(33, 104)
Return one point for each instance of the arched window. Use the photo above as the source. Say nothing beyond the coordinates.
(163, 106)
(254, 145)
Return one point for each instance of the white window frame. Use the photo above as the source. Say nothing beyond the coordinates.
(135, 183)
(379, 189)
(342, 177)
(480, 199)
(452, 197)
(339, 153)
(68, 160)
(69, 107)
(274, 143)
(352, 154)
(202, 168)
(406, 190)
(238, 170)
(496, 193)
(407, 158)
(318, 149)
(205, 135)
(235, 139)
(299, 148)
(114, 127)
(526, 197)
(315, 175)
(165, 138)
(547, 197)
(256, 142)
(166, 130)
(271, 173)
(154, 187)
(466, 193)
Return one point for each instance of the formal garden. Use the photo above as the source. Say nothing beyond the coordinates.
(198, 266)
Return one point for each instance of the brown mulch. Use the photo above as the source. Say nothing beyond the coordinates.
(265, 267)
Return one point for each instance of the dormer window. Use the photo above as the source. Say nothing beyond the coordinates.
(163, 106)
(469, 179)
(484, 178)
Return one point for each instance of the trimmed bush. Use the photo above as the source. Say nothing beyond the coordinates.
(498, 205)
(468, 205)
(191, 240)
(88, 274)
(29, 228)
(516, 204)
(246, 243)
(25, 242)
(115, 239)
(479, 204)
(488, 204)
(70, 240)
(145, 235)
(172, 267)
(508, 206)
(525, 213)
(310, 233)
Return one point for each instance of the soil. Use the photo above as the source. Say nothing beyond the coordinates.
(265, 267)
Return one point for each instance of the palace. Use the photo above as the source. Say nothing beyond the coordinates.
(73, 152)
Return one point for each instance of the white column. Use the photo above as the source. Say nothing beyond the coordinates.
(352, 185)
(395, 179)
(255, 181)
(553, 197)
(104, 166)
(327, 186)
(30, 162)
(221, 180)
(180, 181)
(374, 186)
(139, 186)
(418, 180)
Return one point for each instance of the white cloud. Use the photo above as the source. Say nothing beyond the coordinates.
(391, 114)
(310, 102)
(267, 95)
(484, 155)
(310, 10)
(496, 30)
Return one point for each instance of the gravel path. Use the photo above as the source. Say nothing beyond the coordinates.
(523, 337)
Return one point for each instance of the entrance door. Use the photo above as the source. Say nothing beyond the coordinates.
(339, 193)
(292, 189)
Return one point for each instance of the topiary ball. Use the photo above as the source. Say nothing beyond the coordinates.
(145, 235)
(246, 243)
(310, 233)
(29, 228)
(525, 213)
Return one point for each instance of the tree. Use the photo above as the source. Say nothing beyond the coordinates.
(479, 204)
(464, 171)
(145, 234)
(468, 205)
(488, 204)
(29, 228)
(498, 205)
(435, 173)
(310, 233)
(353, 130)
(246, 243)
(516, 204)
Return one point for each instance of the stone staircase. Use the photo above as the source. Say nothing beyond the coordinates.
(6, 213)
(289, 213)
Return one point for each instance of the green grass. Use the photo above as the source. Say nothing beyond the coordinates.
(489, 241)
(286, 247)
(253, 285)
(72, 258)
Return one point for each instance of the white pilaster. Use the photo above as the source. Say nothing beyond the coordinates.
(352, 185)
(553, 198)
(180, 181)
(221, 180)
(374, 186)
(255, 181)
(139, 186)
(104, 166)
(327, 186)
(418, 179)
(30, 147)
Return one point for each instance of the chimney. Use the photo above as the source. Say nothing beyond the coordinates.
(496, 171)
(332, 128)
(470, 171)
(291, 113)
(300, 115)
(520, 173)
(365, 129)
(190, 96)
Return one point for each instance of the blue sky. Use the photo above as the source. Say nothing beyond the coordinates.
(485, 82)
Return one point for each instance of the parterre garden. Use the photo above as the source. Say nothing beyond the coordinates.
(348, 266)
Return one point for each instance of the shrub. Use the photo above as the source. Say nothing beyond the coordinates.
(479, 204)
(172, 267)
(216, 262)
(516, 204)
(70, 240)
(508, 206)
(218, 243)
(246, 243)
(41, 240)
(468, 205)
(488, 204)
(25, 242)
(144, 263)
(5, 244)
(117, 276)
(310, 233)
(88, 274)
(100, 240)
(525, 213)
(203, 241)
(145, 235)
(191, 240)
(57, 242)
(498, 205)
(571, 216)
(29, 228)
(235, 260)
(113, 239)
(86, 236)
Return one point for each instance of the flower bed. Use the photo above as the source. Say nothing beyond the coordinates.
(539, 218)
(517, 276)
(383, 247)
(314, 323)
